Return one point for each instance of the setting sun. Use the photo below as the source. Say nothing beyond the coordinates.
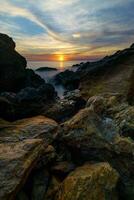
(61, 58)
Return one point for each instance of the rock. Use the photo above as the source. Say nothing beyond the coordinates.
(17, 159)
(27, 94)
(65, 108)
(130, 95)
(87, 137)
(12, 65)
(62, 169)
(44, 92)
(123, 116)
(132, 46)
(40, 69)
(6, 108)
(48, 158)
(91, 181)
(26, 103)
(127, 130)
(109, 74)
(87, 130)
(13, 73)
(97, 103)
(68, 79)
(36, 127)
(52, 188)
(22, 196)
(32, 79)
(40, 184)
(23, 143)
(47, 92)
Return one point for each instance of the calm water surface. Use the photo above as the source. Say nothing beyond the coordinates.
(59, 65)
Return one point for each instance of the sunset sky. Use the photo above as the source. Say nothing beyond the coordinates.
(68, 29)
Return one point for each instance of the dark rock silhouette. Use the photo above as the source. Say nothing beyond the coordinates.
(27, 102)
(13, 73)
(110, 74)
(46, 69)
(69, 79)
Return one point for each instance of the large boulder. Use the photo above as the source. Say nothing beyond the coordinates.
(109, 74)
(13, 72)
(87, 137)
(27, 102)
(36, 127)
(90, 182)
(24, 151)
(17, 159)
(12, 65)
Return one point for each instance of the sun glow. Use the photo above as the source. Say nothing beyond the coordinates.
(61, 58)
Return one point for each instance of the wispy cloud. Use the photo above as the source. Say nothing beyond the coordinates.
(87, 27)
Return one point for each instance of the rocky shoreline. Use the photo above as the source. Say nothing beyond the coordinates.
(77, 148)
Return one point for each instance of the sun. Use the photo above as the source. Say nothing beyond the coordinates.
(61, 58)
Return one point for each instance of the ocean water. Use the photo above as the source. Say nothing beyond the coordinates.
(61, 66)
(49, 75)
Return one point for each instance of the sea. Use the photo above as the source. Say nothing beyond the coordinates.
(49, 75)
(61, 66)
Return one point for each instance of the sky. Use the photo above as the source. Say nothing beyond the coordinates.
(68, 29)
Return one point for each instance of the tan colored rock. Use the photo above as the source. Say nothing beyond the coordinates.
(88, 138)
(17, 159)
(87, 130)
(89, 182)
(35, 127)
(97, 103)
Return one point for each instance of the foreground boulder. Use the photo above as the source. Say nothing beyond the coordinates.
(89, 182)
(24, 151)
(17, 159)
(13, 73)
(87, 137)
(36, 127)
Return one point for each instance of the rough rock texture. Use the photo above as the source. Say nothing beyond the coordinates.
(23, 144)
(36, 127)
(65, 108)
(89, 182)
(87, 137)
(97, 103)
(17, 159)
(130, 96)
(110, 74)
(13, 73)
(123, 115)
